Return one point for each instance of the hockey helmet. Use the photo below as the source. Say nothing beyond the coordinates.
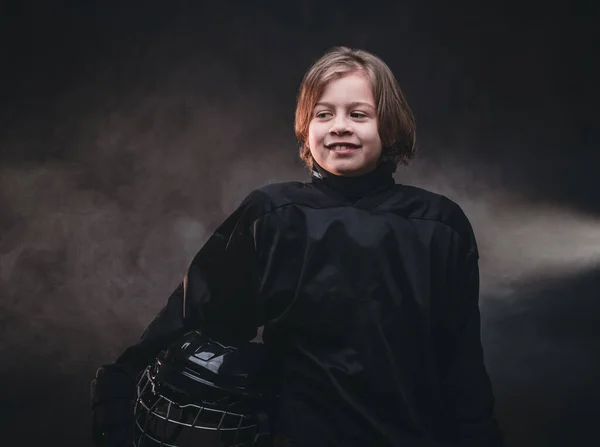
(201, 392)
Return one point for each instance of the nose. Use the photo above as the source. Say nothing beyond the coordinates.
(340, 126)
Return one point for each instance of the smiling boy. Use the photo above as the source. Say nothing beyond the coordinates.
(366, 290)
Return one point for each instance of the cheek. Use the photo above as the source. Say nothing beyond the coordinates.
(375, 145)
(375, 137)
(314, 135)
(371, 135)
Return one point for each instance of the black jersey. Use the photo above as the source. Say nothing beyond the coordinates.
(367, 292)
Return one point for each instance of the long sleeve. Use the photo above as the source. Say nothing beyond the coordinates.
(222, 297)
(466, 386)
(218, 294)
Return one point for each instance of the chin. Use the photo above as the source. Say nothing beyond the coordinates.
(349, 171)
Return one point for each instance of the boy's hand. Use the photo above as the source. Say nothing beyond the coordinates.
(113, 393)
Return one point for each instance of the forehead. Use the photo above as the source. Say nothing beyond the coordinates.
(355, 87)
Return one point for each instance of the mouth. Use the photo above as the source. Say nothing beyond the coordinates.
(342, 147)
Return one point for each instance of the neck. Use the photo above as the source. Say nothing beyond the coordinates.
(354, 188)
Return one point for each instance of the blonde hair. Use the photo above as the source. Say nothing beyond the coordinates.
(397, 127)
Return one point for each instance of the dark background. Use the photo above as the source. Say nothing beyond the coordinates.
(130, 129)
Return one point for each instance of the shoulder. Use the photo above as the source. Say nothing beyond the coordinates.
(266, 198)
(421, 204)
(255, 205)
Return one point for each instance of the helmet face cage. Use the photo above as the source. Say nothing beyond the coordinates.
(165, 416)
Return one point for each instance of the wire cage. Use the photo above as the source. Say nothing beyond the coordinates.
(165, 416)
(189, 398)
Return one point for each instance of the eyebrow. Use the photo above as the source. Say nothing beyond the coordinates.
(352, 104)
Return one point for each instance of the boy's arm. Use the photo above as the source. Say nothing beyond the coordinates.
(218, 296)
(465, 383)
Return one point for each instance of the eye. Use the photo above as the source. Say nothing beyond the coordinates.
(359, 115)
(322, 114)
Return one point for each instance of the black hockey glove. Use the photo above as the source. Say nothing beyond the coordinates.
(113, 393)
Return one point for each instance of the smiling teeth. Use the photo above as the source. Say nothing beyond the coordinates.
(341, 148)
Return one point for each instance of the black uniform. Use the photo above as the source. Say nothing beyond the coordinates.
(368, 294)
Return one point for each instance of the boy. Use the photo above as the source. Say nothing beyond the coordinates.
(366, 291)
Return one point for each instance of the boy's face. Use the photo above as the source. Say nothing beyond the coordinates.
(343, 133)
